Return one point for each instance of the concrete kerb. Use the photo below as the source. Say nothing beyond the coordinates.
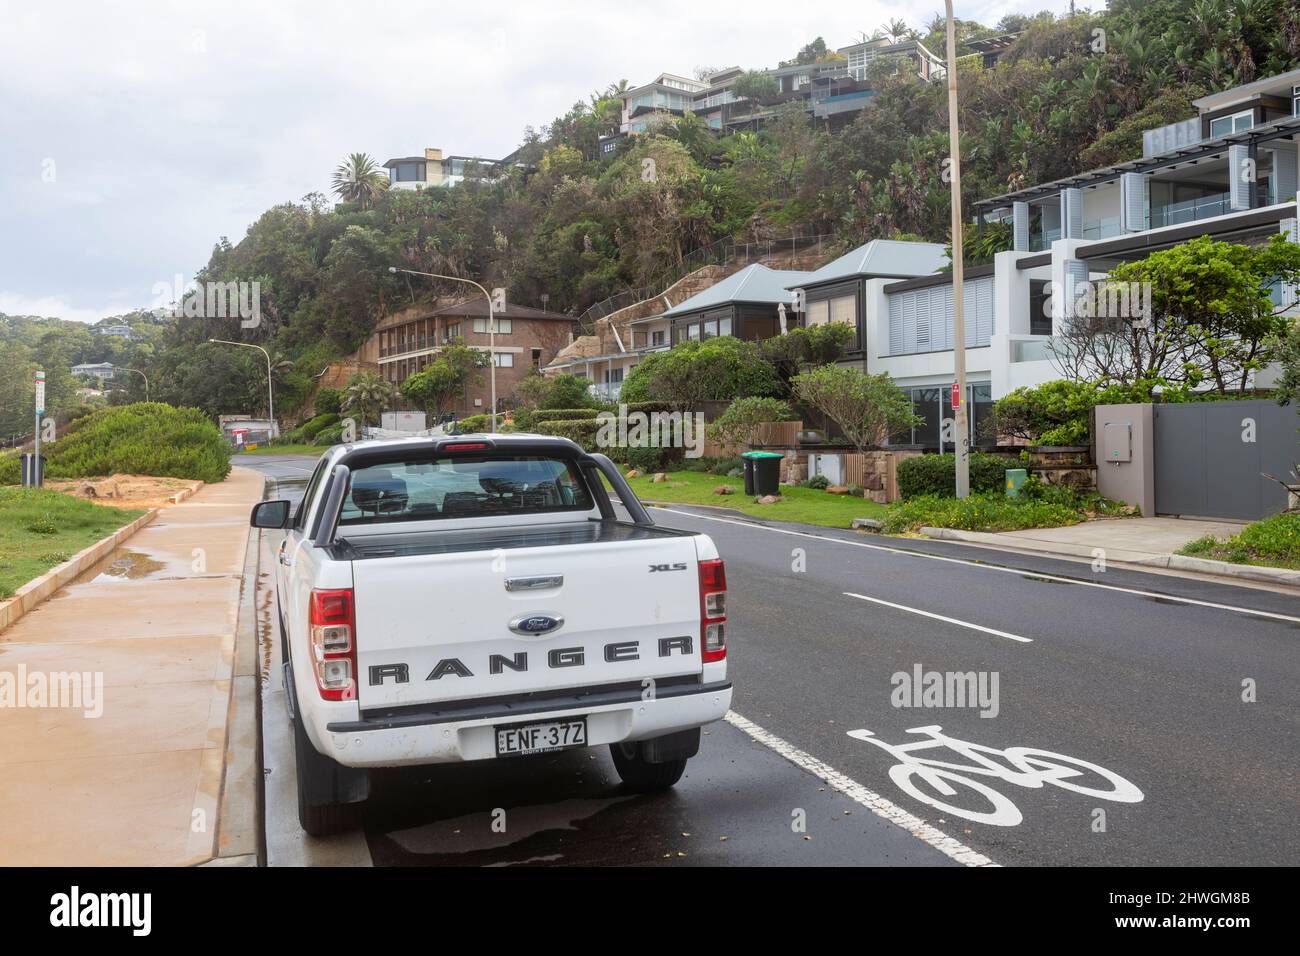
(240, 830)
(31, 594)
(1173, 562)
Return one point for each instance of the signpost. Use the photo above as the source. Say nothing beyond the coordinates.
(35, 473)
(956, 396)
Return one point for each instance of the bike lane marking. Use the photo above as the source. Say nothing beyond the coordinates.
(940, 617)
(1273, 615)
(949, 846)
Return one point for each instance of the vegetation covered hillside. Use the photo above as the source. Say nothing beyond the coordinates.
(1074, 92)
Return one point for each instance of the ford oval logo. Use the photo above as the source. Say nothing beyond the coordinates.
(534, 624)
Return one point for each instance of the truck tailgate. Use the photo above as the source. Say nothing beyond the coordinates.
(434, 613)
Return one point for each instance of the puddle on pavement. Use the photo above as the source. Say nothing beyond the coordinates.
(127, 565)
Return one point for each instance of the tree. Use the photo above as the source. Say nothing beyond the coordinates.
(358, 179)
(868, 408)
(739, 423)
(1288, 386)
(366, 397)
(1210, 316)
(688, 374)
(803, 348)
(455, 368)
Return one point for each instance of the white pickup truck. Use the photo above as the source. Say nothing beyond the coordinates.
(478, 597)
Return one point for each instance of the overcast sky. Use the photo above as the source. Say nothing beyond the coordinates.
(133, 136)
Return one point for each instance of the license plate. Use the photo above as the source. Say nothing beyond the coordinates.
(541, 737)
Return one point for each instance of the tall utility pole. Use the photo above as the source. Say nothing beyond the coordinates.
(961, 427)
(270, 389)
(491, 324)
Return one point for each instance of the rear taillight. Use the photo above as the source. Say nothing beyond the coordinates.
(713, 610)
(333, 629)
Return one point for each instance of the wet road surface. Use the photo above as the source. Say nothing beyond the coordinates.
(1161, 711)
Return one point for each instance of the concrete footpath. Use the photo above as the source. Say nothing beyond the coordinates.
(148, 756)
(1147, 542)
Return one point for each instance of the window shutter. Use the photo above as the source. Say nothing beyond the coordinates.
(1071, 214)
(896, 324)
(923, 343)
(1241, 180)
(1020, 226)
(1284, 173)
(1132, 202)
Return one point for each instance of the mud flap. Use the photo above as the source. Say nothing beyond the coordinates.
(678, 746)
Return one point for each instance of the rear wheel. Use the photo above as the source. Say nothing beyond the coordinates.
(641, 776)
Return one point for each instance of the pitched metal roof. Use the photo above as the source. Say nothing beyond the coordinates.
(881, 257)
(755, 283)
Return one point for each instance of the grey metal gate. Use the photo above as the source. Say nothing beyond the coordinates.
(1209, 457)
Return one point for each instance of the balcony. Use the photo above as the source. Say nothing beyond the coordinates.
(1191, 210)
(605, 391)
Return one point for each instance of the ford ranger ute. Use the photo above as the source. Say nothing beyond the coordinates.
(479, 598)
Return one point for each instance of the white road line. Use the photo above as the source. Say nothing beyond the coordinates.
(940, 617)
(993, 567)
(949, 846)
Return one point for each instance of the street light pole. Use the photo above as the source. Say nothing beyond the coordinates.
(270, 395)
(492, 330)
(142, 375)
(961, 440)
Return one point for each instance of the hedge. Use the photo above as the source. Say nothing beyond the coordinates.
(937, 474)
(144, 438)
(563, 414)
(472, 423)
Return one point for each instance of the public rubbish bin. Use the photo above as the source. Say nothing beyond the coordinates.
(1016, 478)
(762, 472)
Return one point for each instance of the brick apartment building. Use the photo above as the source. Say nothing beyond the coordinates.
(526, 339)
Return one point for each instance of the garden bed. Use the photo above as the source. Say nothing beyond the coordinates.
(1273, 543)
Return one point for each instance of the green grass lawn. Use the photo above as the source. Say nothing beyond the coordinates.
(1273, 542)
(40, 529)
(314, 450)
(803, 505)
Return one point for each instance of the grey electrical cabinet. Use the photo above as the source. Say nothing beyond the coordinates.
(1117, 441)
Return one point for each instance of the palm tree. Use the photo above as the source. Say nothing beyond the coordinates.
(367, 395)
(359, 180)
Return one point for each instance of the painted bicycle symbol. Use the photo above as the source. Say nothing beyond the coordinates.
(936, 781)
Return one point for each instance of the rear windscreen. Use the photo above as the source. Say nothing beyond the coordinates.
(464, 488)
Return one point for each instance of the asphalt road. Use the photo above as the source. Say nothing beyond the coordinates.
(1179, 695)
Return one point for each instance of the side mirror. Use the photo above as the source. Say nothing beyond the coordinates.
(270, 514)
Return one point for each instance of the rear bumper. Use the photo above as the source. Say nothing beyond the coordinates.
(452, 734)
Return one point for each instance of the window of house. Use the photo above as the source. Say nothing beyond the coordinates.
(724, 326)
(504, 326)
(819, 313)
(537, 358)
(1235, 123)
(452, 331)
(503, 359)
(406, 173)
(693, 332)
(1295, 101)
(711, 329)
(657, 338)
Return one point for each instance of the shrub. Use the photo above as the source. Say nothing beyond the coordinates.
(868, 408)
(818, 481)
(982, 512)
(314, 426)
(473, 423)
(726, 467)
(738, 424)
(561, 414)
(144, 438)
(937, 474)
(648, 459)
(330, 435)
(1274, 540)
(717, 369)
(581, 430)
(329, 401)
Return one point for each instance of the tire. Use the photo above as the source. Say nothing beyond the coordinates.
(641, 776)
(317, 819)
